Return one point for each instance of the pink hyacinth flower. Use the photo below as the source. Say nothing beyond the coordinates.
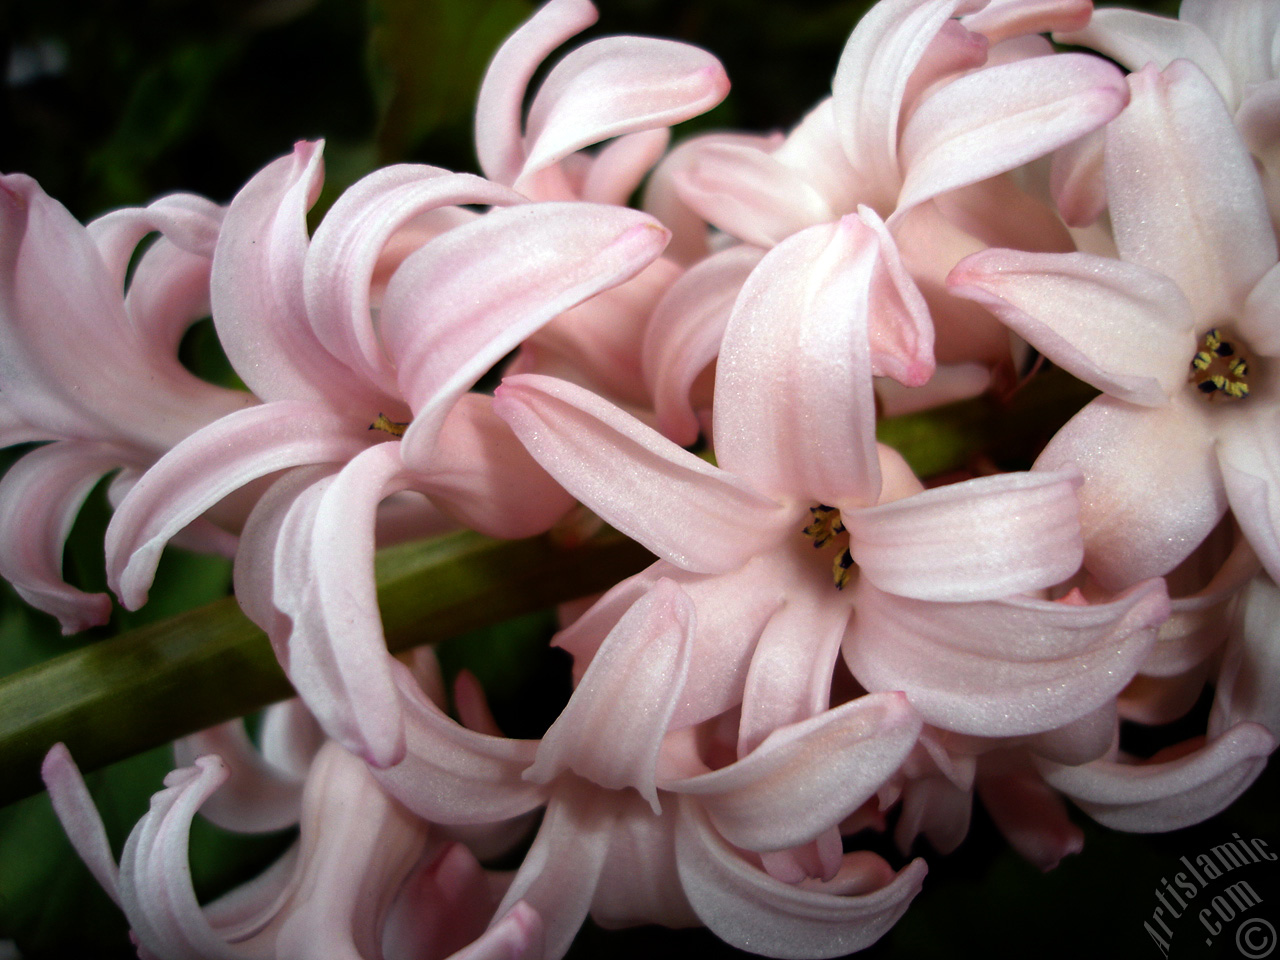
(91, 364)
(364, 393)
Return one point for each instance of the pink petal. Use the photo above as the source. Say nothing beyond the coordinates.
(1123, 328)
(806, 777)
(1078, 179)
(1250, 459)
(346, 247)
(40, 497)
(559, 874)
(683, 335)
(870, 84)
(79, 817)
(464, 300)
(500, 106)
(978, 540)
(612, 728)
(1156, 797)
(1246, 687)
(619, 168)
(751, 910)
(1001, 117)
(1135, 38)
(795, 412)
(1032, 818)
(1002, 668)
(453, 775)
(1122, 450)
(1185, 196)
(1260, 320)
(208, 466)
(1244, 31)
(517, 934)
(749, 194)
(256, 287)
(189, 221)
(256, 797)
(483, 477)
(615, 86)
(1002, 19)
(696, 516)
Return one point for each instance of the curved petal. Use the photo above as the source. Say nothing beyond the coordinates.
(1244, 31)
(1184, 193)
(79, 817)
(456, 306)
(683, 335)
(1002, 668)
(483, 477)
(806, 777)
(453, 775)
(612, 728)
(1001, 117)
(344, 253)
(1260, 320)
(257, 292)
(337, 656)
(1123, 450)
(615, 86)
(1249, 454)
(871, 80)
(750, 910)
(1003, 19)
(1077, 179)
(978, 540)
(692, 514)
(1123, 328)
(794, 412)
(617, 171)
(256, 797)
(500, 105)
(209, 465)
(189, 221)
(1032, 818)
(1155, 797)
(1246, 686)
(40, 497)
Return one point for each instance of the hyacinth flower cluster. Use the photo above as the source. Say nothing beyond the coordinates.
(826, 644)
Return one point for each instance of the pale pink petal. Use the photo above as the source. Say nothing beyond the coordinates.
(1001, 117)
(1249, 453)
(1002, 19)
(794, 411)
(899, 325)
(612, 728)
(519, 934)
(950, 383)
(453, 775)
(481, 475)
(1244, 31)
(871, 80)
(639, 883)
(168, 292)
(187, 220)
(289, 737)
(1260, 320)
(500, 106)
(1002, 668)
(955, 49)
(441, 908)
(337, 657)
(1032, 818)
(1123, 328)
(1135, 38)
(935, 808)
(750, 910)
(1159, 796)
(1078, 179)
(256, 797)
(464, 300)
(791, 667)
(559, 874)
(620, 167)
(978, 540)
(210, 465)
(1258, 120)
(684, 334)
(690, 513)
(1001, 212)
(79, 817)
(347, 245)
(40, 497)
(615, 86)
(749, 194)
(1081, 740)
(1123, 450)
(807, 777)
(259, 304)
(1246, 687)
(1185, 196)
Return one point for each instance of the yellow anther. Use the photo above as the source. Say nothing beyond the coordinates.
(387, 425)
(1216, 370)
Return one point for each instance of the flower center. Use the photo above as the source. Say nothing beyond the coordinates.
(825, 527)
(387, 425)
(1219, 369)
